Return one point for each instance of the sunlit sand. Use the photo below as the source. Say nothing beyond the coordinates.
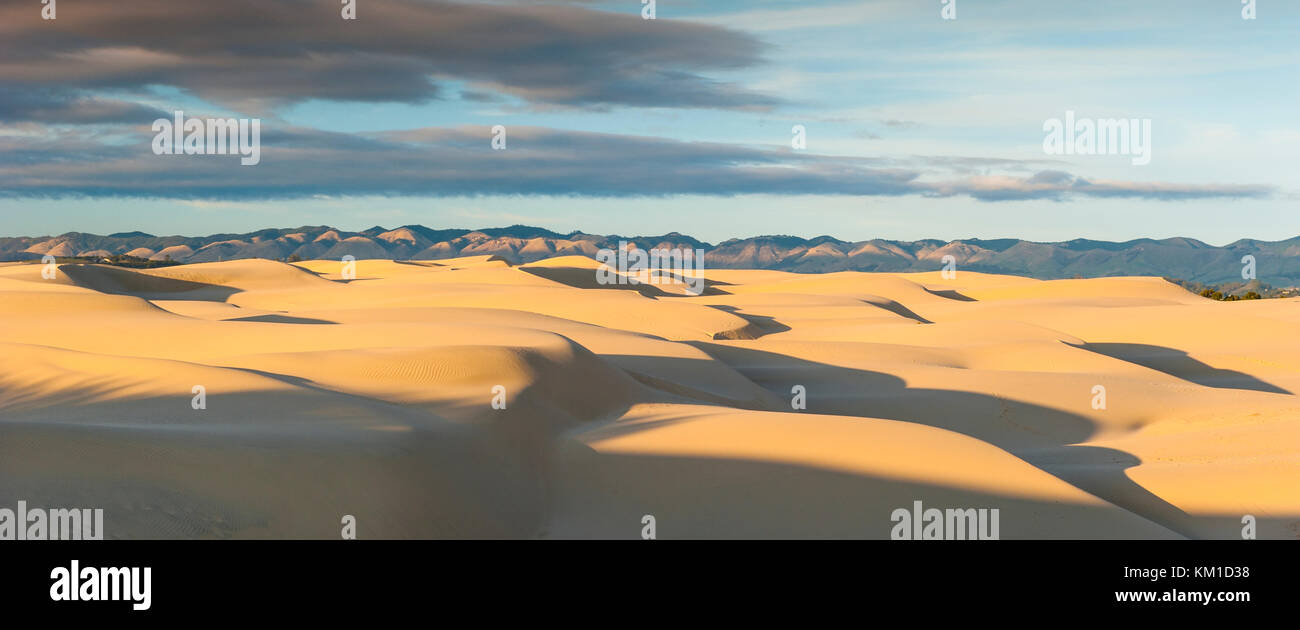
(373, 396)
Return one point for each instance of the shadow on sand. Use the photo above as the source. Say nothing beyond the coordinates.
(1178, 364)
(1045, 437)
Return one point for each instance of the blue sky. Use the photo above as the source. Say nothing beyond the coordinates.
(917, 126)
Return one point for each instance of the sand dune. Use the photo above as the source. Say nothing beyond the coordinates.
(472, 398)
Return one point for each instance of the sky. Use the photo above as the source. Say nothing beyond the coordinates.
(913, 125)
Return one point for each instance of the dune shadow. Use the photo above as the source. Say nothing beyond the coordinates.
(726, 498)
(951, 294)
(582, 278)
(1179, 364)
(762, 324)
(119, 281)
(322, 274)
(898, 309)
(1045, 437)
(416, 263)
(280, 319)
(232, 475)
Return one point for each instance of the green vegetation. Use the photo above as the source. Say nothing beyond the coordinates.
(116, 260)
(1219, 295)
(1235, 291)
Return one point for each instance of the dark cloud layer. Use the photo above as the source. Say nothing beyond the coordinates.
(257, 54)
(52, 105)
(297, 163)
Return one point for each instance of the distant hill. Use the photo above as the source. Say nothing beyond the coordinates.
(1277, 262)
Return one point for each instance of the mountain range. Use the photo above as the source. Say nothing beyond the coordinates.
(1277, 262)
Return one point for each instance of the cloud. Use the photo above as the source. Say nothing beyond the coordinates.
(806, 17)
(301, 163)
(1059, 185)
(255, 55)
(52, 105)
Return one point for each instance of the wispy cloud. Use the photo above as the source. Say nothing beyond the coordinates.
(460, 161)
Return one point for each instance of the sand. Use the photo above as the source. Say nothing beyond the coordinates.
(373, 396)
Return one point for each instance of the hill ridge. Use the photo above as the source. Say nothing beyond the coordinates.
(1277, 262)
